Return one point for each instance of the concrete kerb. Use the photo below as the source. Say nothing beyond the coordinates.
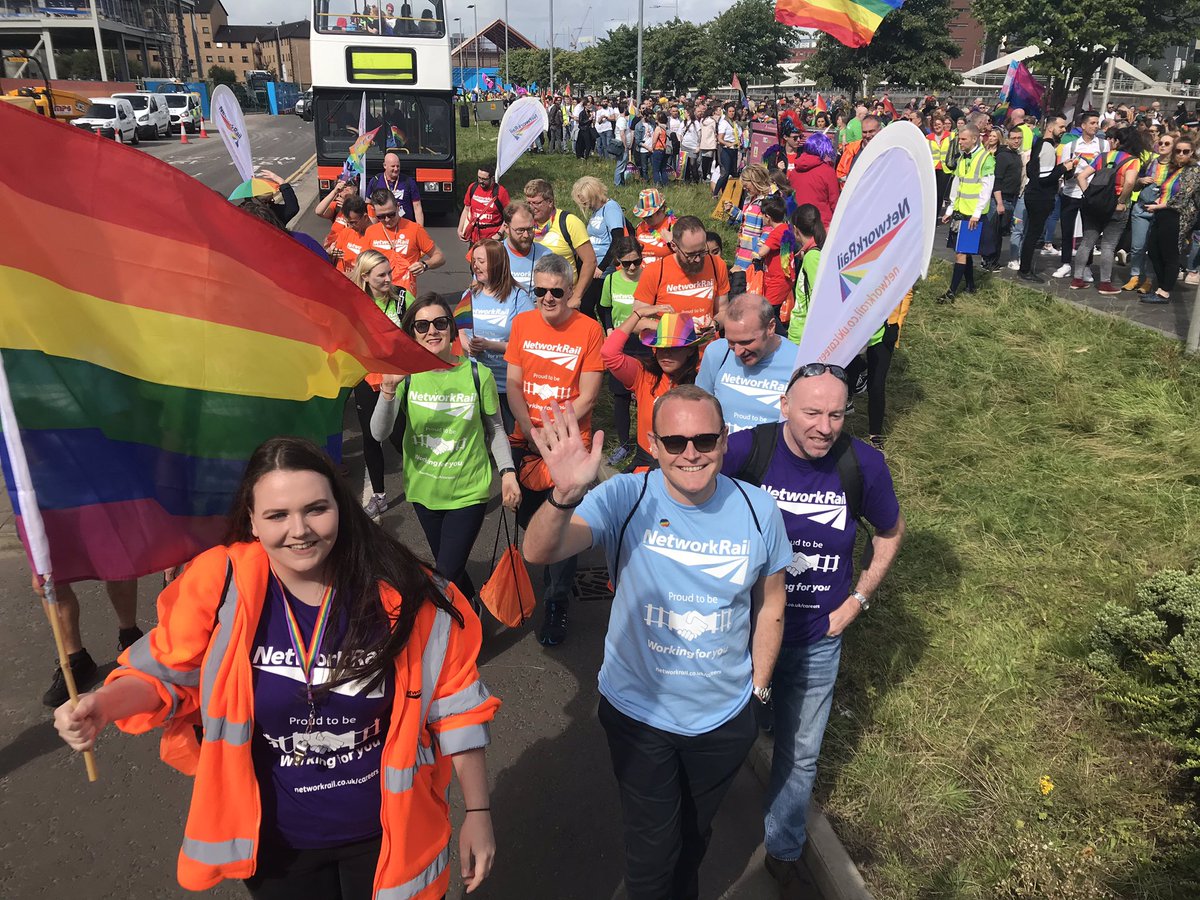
(831, 868)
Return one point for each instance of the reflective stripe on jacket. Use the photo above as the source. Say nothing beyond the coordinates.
(198, 660)
(969, 173)
(939, 149)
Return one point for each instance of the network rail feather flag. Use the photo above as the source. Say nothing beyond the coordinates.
(851, 22)
(152, 338)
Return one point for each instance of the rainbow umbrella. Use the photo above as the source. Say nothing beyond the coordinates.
(255, 187)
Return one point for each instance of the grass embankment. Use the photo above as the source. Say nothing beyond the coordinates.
(1046, 461)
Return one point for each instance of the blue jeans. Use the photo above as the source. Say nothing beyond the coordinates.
(603, 139)
(1018, 229)
(1139, 229)
(558, 579)
(658, 164)
(619, 171)
(802, 691)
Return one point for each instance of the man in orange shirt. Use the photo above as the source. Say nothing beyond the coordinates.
(690, 280)
(553, 355)
(406, 244)
(351, 238)
(851, 152)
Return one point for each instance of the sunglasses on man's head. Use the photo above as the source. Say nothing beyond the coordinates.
(422, 326)
(677, 443)
(556, 293)
(812, 370)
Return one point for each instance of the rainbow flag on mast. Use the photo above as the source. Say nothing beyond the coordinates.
(851, 22)
(146, 363)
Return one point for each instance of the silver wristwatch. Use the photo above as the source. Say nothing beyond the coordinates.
(762, 693)
(862, 599)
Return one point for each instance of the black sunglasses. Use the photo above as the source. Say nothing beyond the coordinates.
(387, 215)
(629, 263)
(556, 293)
(812, 370)
(422, 326)
(677, 443)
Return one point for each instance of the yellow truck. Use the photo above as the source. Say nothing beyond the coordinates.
(53, 102)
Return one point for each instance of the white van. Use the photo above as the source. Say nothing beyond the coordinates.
(110, 112)
(184, 108)
(153, 118)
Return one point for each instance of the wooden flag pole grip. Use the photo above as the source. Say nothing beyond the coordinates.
(64, 663)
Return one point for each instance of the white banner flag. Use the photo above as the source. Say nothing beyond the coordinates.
(232, 125)
(524, 122)
(879, 243)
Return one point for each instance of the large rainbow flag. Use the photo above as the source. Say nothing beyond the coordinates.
(852, 22)
(153, 335)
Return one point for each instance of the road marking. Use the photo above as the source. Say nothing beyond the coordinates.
(302, 171)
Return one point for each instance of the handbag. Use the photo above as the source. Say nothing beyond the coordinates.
(508, 592)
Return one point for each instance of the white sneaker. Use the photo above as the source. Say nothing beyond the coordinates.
(1063, 271)
(1049, 250)
(1121, 257)
(1015, 265)
(1087, 276)
(1192, 278)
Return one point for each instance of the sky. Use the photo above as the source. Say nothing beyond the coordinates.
(529, 18)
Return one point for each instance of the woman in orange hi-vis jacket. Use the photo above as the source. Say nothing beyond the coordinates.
(334, 683)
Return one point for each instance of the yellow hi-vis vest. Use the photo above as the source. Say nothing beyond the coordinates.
(939, 149)
(970, 172)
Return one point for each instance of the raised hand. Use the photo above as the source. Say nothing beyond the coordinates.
(572, 465)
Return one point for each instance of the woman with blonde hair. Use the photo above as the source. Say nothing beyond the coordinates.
(605, 222)
(756, 182)
(373, 273)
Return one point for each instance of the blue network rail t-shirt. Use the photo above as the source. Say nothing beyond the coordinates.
(493, 320)
(677, 652)
(749, 395)
(819, 526)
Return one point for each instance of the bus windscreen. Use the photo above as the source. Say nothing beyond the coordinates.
(417, 127)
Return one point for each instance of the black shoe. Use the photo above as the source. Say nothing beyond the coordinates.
(792, 877)
(877, 442)
(1031, 278)
(554, 624)
(83, 667)
(860, 383)
(127, 637)
(947, 297)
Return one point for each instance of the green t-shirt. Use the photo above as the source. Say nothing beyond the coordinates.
(852, 131)
(446, 461)
(617, 295)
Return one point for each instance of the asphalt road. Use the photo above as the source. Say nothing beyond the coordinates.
(554, 799)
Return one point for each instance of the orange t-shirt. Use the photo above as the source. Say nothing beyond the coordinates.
(654, 240)
(663, 282)
(351, 243)
(553, 359)
(403, 246)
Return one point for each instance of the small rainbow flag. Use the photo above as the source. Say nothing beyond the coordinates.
(146, 365)
(851, 22)
(464, 318)
(396, 138)
(821, 105)
(357, 157)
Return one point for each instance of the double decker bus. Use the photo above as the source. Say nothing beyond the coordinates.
(397, 55)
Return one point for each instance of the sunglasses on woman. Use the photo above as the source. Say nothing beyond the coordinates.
(630, 263)
(422, 326)
(677, 443)
(556, 293)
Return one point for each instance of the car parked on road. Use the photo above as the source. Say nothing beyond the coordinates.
(304, 106)
(153, 118)
(185, 109)
(110, 113)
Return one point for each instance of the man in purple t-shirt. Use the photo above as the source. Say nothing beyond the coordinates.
(803, 477)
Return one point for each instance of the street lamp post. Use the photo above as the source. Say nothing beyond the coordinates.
(461, 80)
(478, 74)
(551, 46)
(641, 22)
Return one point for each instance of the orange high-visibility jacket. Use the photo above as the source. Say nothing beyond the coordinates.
(198, 659)
(849, 154)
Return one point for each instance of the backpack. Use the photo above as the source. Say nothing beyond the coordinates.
(497, 213)
(1100, 199)
(566, 236)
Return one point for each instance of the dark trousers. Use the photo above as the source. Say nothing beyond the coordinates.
(591, 297)
(999, 225)
(1162, 246)
(365, 398)
(728, 159)
(878, 362)
(943, 180)
(332, 873)
(671, 786)
(1038, 206)
(1067, 214)
(451, 534)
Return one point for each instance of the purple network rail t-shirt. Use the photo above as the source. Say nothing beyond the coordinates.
(331, 795)
(821, 529)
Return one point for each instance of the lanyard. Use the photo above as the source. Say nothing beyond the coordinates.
(306, 653)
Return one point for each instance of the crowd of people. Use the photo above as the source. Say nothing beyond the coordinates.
(729, 537)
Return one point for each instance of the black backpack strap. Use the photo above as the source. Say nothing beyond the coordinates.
(625, 526)
(850, 472)
(763, 439)
(746, 497)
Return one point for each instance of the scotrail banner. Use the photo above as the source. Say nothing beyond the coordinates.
(878, 244)
(523, 123)
(227, 113)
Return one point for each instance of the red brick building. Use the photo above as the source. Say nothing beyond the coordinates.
(968, 32)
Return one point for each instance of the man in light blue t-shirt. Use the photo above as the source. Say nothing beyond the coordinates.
(698, 563)
(523, 253)
(748, 369)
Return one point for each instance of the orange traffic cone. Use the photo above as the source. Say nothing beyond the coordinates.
(182, 132)
(203, 133)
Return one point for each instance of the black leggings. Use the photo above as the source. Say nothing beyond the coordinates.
(590, 300)
(1038, 206)
(878, 362)
(365, 398)
(451, 534)
(332, 873)
(1162, 246)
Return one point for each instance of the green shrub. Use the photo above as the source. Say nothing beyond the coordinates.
(1150, 657)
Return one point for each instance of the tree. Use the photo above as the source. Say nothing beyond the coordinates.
(1075, 41)
(912, 48)
(528, 66)
(671, 56)
(221, 75)
(1189, 73)
(617, 52)
(747, 41)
